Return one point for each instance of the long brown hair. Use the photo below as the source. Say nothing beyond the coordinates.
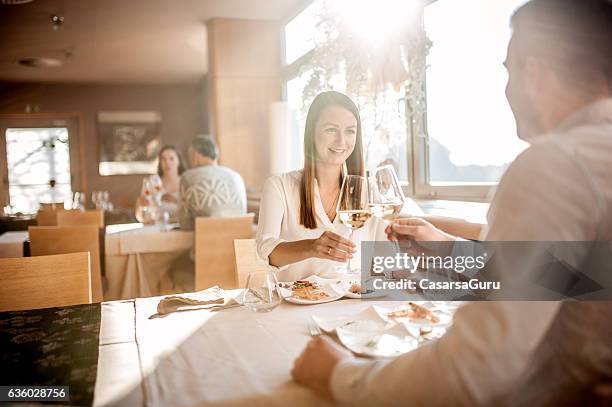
(181, 165)
(354, 163)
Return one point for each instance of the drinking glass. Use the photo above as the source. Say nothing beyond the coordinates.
(147, 188)
(148, 213)
(95, 199)
(165, 220)
(260, 292)
(385, 194)
(78, 201)
(353, 205)
(156, 184)
(105, 201)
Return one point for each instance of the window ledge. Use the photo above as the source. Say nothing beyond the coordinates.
(473, 212)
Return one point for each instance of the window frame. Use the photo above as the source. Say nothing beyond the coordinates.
(73, 121)
(417, 185)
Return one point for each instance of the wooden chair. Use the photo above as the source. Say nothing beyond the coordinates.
(48, 240)
(44, 281)
(246, 260)
(47, 217)
(79, 218)
(54, 206)
(214, 249)
(456, 227)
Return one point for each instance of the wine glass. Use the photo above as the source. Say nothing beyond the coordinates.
(260, 292)
(94, 199)
(105, 199)
(147, 188)
(353, 205)
(156, 184)
(78, 201)
(385, 194)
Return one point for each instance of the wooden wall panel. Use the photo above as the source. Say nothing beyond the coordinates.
(244, 79)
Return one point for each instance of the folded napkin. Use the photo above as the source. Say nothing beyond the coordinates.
(212, 298)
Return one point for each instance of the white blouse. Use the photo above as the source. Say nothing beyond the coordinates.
(279, 221)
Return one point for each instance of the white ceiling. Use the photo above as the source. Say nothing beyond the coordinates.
(120, 41)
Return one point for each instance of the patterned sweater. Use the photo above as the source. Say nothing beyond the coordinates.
(211, 190)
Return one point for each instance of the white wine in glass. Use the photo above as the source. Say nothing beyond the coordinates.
(354, 219)
(385, 195)
(386, 212)
(353, 208)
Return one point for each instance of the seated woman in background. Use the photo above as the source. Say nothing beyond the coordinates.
(299, 231)
(169, 169)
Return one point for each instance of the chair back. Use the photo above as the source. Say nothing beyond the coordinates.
(44, 281)
(79, 218)
(46, 240)
(214, 249)
(246, 260)
(47, 217)
(51, 206)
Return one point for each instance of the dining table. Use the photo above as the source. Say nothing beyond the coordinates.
(139, 259)
(11, 243)
(229, 357)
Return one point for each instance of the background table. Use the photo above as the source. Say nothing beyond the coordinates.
(139, 259)
(11, 244)
(229, 357)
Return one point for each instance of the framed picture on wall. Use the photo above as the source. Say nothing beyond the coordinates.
(128, 141)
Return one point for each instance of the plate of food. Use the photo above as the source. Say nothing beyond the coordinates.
(359, 291)
(310, 291)
(425, 314)
(369, 338)
(374, 316)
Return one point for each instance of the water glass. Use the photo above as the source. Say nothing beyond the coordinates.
(260, 292)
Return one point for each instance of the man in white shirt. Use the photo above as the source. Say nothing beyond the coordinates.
(560, 188)
(209, 189)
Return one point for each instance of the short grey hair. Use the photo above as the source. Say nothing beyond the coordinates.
(206, 146)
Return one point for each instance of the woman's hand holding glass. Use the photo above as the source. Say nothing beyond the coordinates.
(332, 246)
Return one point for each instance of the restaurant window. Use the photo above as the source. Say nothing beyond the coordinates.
(469, 131)
(38, 162)
(299, 38)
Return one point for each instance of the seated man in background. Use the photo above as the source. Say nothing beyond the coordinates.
(209, 189)
(518, 353)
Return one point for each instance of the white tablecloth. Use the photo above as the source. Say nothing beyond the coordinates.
(139, 259)
(228, 357)
(11, 244)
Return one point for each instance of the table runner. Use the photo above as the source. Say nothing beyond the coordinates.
(52, 347)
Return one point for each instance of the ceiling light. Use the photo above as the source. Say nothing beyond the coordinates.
(40, 62)
(14, 2)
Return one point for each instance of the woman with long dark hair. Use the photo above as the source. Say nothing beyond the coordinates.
(170, 166)
(299, 232)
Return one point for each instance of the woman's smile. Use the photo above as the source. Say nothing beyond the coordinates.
(337, 150)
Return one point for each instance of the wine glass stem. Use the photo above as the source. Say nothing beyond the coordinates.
(396, 242)
(348, 265)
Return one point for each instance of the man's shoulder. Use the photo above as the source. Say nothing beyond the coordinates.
(227, 170)
(192, 174)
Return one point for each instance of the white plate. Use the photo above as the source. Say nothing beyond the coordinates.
(373, 294)
(368, 339)
(445, 316)
(332, 288)
(373, 315)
